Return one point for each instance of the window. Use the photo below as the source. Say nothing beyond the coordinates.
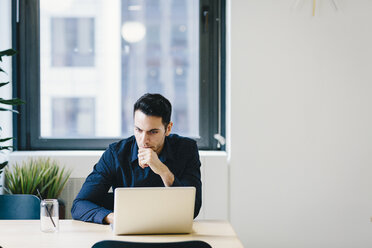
(83, 64)
(72, 41)
(71, 117)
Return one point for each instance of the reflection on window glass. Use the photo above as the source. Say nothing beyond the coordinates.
(112, 52)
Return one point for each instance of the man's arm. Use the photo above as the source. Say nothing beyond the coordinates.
(189, 177)
(89, 203)
(167, 176)
(191, 174)
(148, 158)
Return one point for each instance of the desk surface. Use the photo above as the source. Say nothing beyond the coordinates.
(26, 233)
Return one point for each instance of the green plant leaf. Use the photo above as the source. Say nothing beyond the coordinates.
(64, 182)
(8, 52)
(5, 147)
(2, 165)
(21, 183)
(14, 101)
(3, 84)
(6, 139)
(10, 180)
(11, 110)
(43, 174)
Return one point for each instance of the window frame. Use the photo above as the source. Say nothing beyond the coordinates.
(26, 74)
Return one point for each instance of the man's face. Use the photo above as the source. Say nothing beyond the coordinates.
(150, 131)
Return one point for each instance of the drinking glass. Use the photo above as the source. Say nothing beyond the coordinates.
(49, 215)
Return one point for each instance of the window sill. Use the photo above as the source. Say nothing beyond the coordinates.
(82, 162)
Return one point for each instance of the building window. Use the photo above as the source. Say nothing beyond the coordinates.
(71, 117)
(72, 41)
(89, 61)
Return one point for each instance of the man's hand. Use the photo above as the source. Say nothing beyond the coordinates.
(109, 219)
(148, 158)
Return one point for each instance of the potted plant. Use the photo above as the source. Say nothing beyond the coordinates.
(41, 174)
(11, 102)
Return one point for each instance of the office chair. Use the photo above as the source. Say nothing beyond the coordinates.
(127, 244)
(19, 207)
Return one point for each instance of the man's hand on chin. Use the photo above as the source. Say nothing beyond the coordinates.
(148, 158)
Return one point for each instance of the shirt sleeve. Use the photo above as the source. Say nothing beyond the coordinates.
(88, 204)
(191, 175)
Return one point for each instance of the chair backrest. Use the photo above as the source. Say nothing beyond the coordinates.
(127, 244)
(19, 207)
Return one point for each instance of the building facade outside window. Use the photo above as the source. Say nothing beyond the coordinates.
(96, 58)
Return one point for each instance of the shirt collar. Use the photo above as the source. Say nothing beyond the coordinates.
(166, 153)
(134, 151)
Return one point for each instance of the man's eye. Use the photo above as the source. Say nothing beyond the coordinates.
(154, 132)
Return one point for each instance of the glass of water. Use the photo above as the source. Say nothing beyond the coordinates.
(49, 215)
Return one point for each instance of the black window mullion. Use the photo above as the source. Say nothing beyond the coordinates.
(209, 71)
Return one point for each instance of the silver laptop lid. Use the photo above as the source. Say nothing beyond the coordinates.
(151, 210)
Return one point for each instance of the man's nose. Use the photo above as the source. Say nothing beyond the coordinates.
(145, 138)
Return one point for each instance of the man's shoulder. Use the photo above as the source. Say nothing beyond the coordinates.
(122, 145)
(181, 148)
(177, 140)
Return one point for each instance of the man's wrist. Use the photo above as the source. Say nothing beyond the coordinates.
(109, 219)
(167, 177)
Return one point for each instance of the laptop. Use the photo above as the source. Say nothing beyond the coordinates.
(153, 210)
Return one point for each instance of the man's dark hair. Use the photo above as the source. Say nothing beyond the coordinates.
(154, 105)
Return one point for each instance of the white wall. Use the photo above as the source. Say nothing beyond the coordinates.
(301, 139)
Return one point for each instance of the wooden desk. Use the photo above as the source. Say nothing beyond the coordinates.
(26, 233)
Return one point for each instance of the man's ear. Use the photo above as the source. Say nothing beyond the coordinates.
(169, 128)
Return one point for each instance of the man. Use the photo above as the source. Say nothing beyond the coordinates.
(151, 158)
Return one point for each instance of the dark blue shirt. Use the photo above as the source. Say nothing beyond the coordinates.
(118, 167)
